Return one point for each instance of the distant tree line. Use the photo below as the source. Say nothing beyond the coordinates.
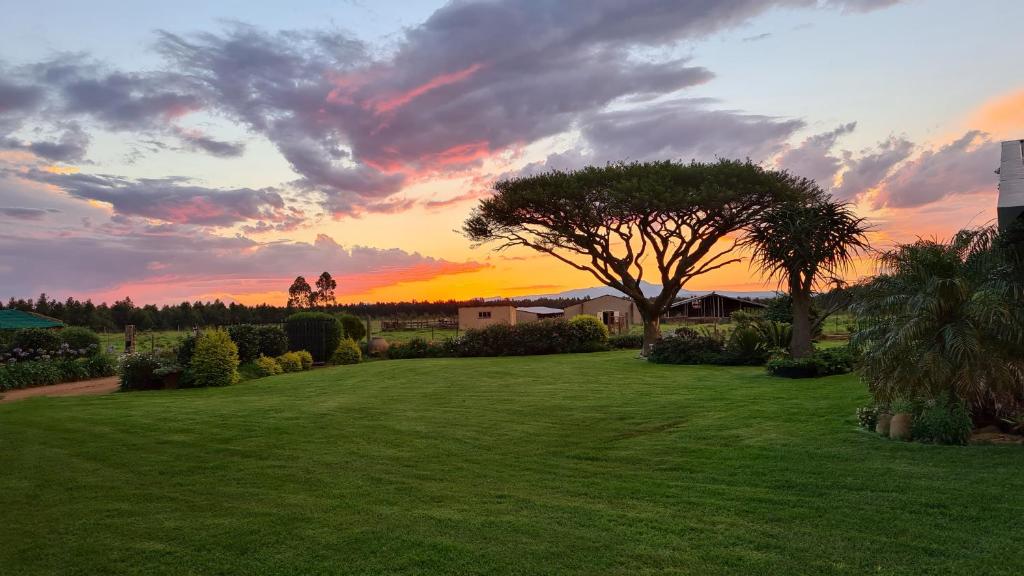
(183, 316)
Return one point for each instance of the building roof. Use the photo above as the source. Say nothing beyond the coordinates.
(541, 310)
(15, 319)
(703, 296)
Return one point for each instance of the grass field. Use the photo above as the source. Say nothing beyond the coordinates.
(144, 341)
(575, 464)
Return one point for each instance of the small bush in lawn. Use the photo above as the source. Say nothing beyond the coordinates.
(590, 333)
(247, 338)
(867, 417)
(942, 423)
(137, 371)
(352, 327)
(747, 345)
(267, 366)
(348, 353)
(85, 341)
(305, 358)
(215, 361)
(317, 332)
(626, 341)
(273, 340)
(36, 339)
(290, 362)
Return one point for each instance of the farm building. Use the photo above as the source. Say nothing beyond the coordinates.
(710, 306)
(617, 312)
(534, 313)
(16, 319)
(476, 317)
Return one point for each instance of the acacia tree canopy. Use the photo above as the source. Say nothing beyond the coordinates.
(629, 222)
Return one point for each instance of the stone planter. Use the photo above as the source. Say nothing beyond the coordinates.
(882, 426)
(378, 346)
(899, 427)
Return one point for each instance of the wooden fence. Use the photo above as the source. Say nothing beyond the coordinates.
(394, 325)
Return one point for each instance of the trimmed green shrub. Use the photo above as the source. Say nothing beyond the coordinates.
(555, 336)
(36, 339)
(317, 332)
(416, 348)
(942, 423)
(589, 333)
(247, 338)
(352, 327)
(626, 341)
(215, 361)
(305, 358)
(83, 340)
(290, 362)
(822, 363)
(348, 353)
(137, 371)
(273, 340)
(266, 366)
(101, 366)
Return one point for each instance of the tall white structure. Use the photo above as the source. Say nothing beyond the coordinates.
(1011, 183)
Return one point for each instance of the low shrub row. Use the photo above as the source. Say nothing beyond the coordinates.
(746, 346)
(825, 362)
(269, 366)
(557, 336)
(16, 375)
(38, 344)
(626, 341)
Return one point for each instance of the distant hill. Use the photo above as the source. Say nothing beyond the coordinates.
(649, 289)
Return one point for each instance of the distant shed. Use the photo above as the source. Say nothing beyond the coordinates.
(534, 313)
(16, 320)
(712, 305)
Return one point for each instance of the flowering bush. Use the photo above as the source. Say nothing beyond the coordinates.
(83, 340)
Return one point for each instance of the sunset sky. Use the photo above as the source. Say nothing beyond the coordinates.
(200, 150)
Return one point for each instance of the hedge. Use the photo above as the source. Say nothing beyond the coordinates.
(317, 332)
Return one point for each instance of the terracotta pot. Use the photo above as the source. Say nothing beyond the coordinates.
(899, 428)
(882, 426)
(379, 345)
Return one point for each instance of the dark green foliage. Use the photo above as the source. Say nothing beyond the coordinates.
(555, 336)
(273, 340)
(101, 365)
(247, 338)
(946, 319)
(29, 373)
(942, 423)
(626, 341)
(748, 343)
(348, 352)
(36, 339)
(867, 417)
(215, 361)
(687, 346)
(352, 326)
(417, 348)
(138, 371)
(317, 332)
(826, 362)
(83, 340)
(186, 348)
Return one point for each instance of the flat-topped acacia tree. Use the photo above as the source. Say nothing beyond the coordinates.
(624, 223)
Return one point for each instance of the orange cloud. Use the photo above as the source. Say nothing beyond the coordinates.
(1002, 116)
(398, 100)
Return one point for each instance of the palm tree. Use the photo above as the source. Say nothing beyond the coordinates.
(807, 245)
(946, 320)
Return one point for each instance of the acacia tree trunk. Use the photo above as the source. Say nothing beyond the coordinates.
(652, 331)
(800, 346)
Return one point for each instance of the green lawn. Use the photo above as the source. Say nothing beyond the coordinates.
(144, 341)
(577, 464)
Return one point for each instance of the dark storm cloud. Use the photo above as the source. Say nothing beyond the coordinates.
(19, 98)
(22, 213)
(174, 200)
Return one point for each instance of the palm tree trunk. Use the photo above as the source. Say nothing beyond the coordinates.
(800, 346)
